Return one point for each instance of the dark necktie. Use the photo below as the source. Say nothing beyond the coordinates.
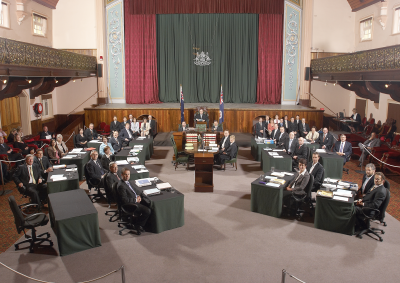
(40, 160)
(117, 176)
(129, 185)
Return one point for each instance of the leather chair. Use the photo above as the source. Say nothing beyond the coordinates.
(304, 199)
(126, 213)
(29, 221)
(180, 157)
(93, 184)
(233, 161)
(110, 199)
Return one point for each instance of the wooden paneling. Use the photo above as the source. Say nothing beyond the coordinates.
(48, 3)
(10, 113)
(357, 5)
(236, 121)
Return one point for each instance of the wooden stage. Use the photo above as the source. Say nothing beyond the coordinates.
(239, 118)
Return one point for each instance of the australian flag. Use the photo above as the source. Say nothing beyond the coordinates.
(221, 107)
(182, 107)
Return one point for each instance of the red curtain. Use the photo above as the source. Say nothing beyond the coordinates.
(206, 6)
(269, 82)
(141, 80)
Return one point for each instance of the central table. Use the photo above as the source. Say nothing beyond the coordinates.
(95, 144)
(167, 210)
(256, 148)
(333, 164)
(72, 182)
(134, 174)
(268, 161)
(147, 143)
(80, 160)
(125, 153)
(74, 220)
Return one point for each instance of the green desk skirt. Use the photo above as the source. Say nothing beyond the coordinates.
(72, 183)
(74, 220)
(96, 145)
(335, 216)
(148, 147)
(333, 165)
(267, 161)
(266, 200)
(256, 149)
(80, 162)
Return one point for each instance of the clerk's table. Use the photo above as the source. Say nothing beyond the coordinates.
(333, 164)
(78, 158)
(70, 183)
(258, 146)
(147, 145)
(275, 158)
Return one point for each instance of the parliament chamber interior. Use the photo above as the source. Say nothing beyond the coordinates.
(199, 141)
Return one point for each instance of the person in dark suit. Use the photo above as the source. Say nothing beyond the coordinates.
(116, 142)
(29, 175)
(281, 123)
(290, 144)
(343, 148)
(300, 152)
(325, 140)
(373, 199)
(317, 170)
(298, 121)
(275, 132)
(80, 139)
(216, 127)
(126, 135)
(260, 128)
(281, 137)
(45, 133)
(129, 195)
(224, 142)
(90, 133)
(286, 123)
(303, 128)
(357, 118)
(115, 125)
(112, 177)
(292, 126)
(94, 168)
(153, 126)
(367, 181)
(44, 163)
(123, 123)
(182, 127)
(298, 183)
(12, 156)
(107, 158)
(228, 153)
(25, 149)
(201, 117)
(369, 144)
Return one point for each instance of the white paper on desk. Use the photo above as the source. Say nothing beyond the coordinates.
(138, 146)
(132, 159)
(344, 184)
(72, 155)
(340, 198)
(272, 185)
(137, 167)
(202, 150)
(277, 150)
(71, 170)
(68, 157)
(270, 177)
(141, 138)
(278, 174)
(48, 137)
(55, 176)
(96, 141)
(272, 153)
(163, 186)
(59, 166)
(321, 150)
(288, 173)
(277, 156)
(343, 193)
(121, 162)
(60, 179)
(76, 150)
(143, 171)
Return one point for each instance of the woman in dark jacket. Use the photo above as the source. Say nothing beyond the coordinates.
(25, 149)
(107, 158)
(80, 140)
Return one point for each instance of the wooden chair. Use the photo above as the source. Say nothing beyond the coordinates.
(233, 161)
(180, 157)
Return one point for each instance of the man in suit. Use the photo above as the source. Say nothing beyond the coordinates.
(94, 169)
(313, 135)
(298, 183)
(325, 140)
(343, 148)
(130, 120)
(286, 123)
(216, 127)
(369, 144)
(90, 133)
(281, 137)
(298, 121)
(29, 175)
(275, 132)
(46, 133)
(224, 142)
(290, 144)
(116, 141)
(300, 152)
(43, 163)
(126, 135)
(228, 153)
(317, 170)
(129, 195)
(292, 126)
(260, 128)
(367, 181)
(12, 156)
(201, 117)
(303, 128)
(153, 126)
(115, 125)
(123, 123)
(182, 127)
(113, 176)
(373, 199)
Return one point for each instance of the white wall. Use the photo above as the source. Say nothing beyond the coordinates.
(74, 24)
(333, 26)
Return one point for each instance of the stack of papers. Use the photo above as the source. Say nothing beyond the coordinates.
(278, 174)
(69, 156)
(321, 150)
(343, 193)
(152, 192)
(59, 166)
(138, 146)
(212, 145)
(76, 150)
(332, 186)
(277, 156)
(96, 141)
(288, 173)
(163, 186)
(121, 162)
(272, 185)
(71, 170)
(201, 150)
(141, 138)
(277, 150)
(143, 182)
(272, 153)
(137, 167)
(344, 184)
(340, 198)
(215, 149)
(59, 177)
(132, 159)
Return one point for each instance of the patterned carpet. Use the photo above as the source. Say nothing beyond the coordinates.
(9, 235)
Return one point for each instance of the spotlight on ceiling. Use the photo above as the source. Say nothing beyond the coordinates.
(349, 84)
(386, 85)
(5, 81)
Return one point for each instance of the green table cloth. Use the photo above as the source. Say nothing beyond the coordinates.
(333, 165)
(147, 143)
(268, 161)
(125, 153)
(268, 200)
(74, 220)
(312, 146)
(94, 143)
(80, 161)
(257, 148)
(72, 182)
(134, 173)
(167, 210)
(334, 215)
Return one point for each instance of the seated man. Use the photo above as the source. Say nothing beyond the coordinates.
(182, 127)
(123, 123)
(290, 144)
(372, 200)
(145, 128)
(95, 170)
(29, 175)
(313, 135)
(300, 152)
(370, 143)
(90, 133)
(281, 137)
(46, 135)
(343, 148)
(292, 126)
(325, 140)
(225, 142)
(201, 117)
(216, 127)
(129, 195)
(43, 163)
(126, 135)
(259, 128)
(153, 126)
(115, 125)
(111, 177)
(12, 156)
(229, 153)
(116, 142)
(298, 184)
(303, 128)
(367, 181)
(317, 170)
(275, 132)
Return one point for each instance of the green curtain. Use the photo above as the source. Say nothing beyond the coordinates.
(231, 42)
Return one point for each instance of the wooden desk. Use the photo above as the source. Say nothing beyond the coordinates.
(203, 172)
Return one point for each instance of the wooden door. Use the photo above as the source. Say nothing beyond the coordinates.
(394, 112)
(10, 113)
(361, 105)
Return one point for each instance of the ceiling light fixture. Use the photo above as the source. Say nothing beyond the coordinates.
(326, 83)
(386, 85)
(5, 81)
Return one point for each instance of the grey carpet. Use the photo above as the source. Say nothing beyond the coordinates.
(221, 241)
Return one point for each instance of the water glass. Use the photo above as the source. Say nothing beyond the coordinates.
(272, 169)
(262, 177)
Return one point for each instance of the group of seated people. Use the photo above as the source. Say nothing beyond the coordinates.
(147, 127)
